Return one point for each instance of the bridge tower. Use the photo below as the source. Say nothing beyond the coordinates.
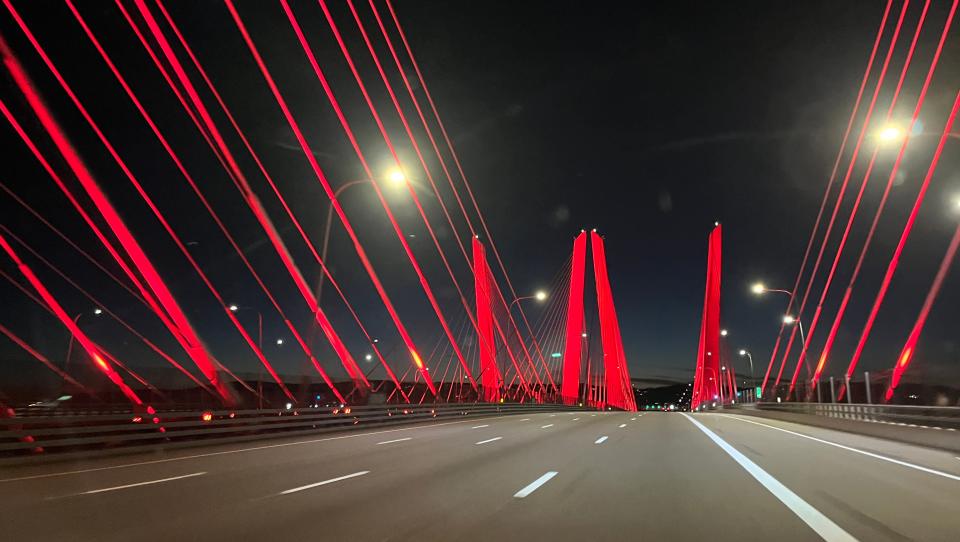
(706, 380)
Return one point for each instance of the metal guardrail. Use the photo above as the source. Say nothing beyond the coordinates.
(929, 417)
(79, 434)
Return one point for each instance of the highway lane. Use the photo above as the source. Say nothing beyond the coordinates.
(542, 476)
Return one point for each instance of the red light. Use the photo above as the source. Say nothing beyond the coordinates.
(137, 419)
(150, 410)
(156, 420)
(233, 414)
(207, 416)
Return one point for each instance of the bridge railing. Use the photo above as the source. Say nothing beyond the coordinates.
(72, 435)
(903, 415)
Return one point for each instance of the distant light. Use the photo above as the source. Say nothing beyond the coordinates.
(368, 357)
(778, 399)
(540, 295)
(64, 398)
(206, 416)
(584, 335)
(289, 406)
(758, 288)
(788, 319)
(279, 341)
(716, 223)
(97, 311)
(555, 355)
(723, 333)
(233, 308)
(743, 352)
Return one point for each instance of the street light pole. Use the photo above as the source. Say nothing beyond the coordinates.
(329, 224)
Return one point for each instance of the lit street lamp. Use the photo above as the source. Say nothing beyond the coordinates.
(759, 288)
(540, 296)
(394, 175)
(790, 320)
(743, 353)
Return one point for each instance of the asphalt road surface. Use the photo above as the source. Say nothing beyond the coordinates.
(565, 476)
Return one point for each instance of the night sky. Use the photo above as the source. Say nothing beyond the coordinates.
(648, 122)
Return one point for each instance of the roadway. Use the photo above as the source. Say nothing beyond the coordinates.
(564, 476)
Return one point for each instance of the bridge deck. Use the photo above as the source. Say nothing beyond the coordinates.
(659, 477)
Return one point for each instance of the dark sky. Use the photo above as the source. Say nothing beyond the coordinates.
(648, 122)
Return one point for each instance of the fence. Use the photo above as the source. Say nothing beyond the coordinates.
(50, 436)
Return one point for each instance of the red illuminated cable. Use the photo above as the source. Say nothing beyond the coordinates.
(240, 183)
(843, 186)
(187, 341)
(908, 227)
(826, 195)
(101, 364)
(254, 203)
(103, 307)
(206, 204)
(906, 355)
(346, 127)
(100, 349)
(456, 160)
(42, 359)
(812, 327)
(146, 267)
(310, 158)
(70, 242)
(824, 356)
(403, 118)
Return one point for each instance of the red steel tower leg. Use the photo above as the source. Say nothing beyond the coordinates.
(570, 385)
(707, 378)
(489, 375)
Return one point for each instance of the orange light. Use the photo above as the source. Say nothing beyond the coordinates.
(206, 416)
(347, 410)
(823, 359)
(103, 365)
(906, 356)
(416, 359)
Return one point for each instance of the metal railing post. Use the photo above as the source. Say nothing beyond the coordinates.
(849, 391)
(866, 386)
(832, 392)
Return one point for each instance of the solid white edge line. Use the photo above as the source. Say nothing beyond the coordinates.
(535, 485)
(325, 482)
(479, 426)
(241, 450)
(160, 481)
(394, 440)
(601, 440)
(546, 426)
(821, 524)
(855, 450)
(488, 440)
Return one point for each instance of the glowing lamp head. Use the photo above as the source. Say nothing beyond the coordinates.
(743, 352)
(584, 335)
(723, 333)
(368, 357)
(233, 308)
(758, 288)
(540, 295)
(396, 176)
(788, 319)
(98, 311)
(279, 342)
(890, 134)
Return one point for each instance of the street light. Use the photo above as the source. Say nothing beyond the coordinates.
(890, 134)
(279, 342)
(789, 320)
(744, 352)
(723, 333)
(540, 296)
(760, 288)
(98, 311)
(394, 175)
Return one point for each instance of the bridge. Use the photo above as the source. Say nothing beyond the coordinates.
(195, 353)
